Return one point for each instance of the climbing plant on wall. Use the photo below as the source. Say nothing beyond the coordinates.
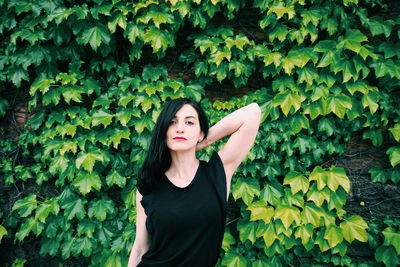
(95, 75)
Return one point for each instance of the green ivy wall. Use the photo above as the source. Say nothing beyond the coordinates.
(95, 74)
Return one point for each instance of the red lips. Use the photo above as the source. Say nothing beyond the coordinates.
(179, 138)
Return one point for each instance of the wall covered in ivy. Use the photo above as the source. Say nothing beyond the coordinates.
(82, 83)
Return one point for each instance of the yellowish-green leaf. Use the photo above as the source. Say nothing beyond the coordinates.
(337, 177)
(318, 196)
(119, 134)
(287, 215)
(304, 232)
(25, 205)
(3, 232)
(86, 181)
(297, 182)
(395, 130)
(370, 100)
(267, 231)
(286, 100)
(102, 117)
(246, 189)
(260, 211)
(319, 175)
(334, 235)
(394, 155)
(47, 207)
(281, 10)
(87, 160)
(355, 228)
(392, 237)
(312, 214)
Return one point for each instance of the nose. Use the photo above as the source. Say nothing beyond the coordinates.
(179, 127)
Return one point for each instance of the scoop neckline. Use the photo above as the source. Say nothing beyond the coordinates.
(191, 182)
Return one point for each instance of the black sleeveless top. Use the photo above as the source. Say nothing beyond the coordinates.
(186, 225)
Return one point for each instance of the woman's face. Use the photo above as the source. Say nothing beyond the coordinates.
(184, 130)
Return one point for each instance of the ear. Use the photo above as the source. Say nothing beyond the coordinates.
(201, 137)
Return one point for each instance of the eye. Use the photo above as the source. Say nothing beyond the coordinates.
(172, 122)
(190, 123)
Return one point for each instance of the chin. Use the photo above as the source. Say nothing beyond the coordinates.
(180, 147)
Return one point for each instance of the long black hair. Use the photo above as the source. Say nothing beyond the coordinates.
(158, 158)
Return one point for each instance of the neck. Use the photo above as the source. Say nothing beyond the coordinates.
(183, 165)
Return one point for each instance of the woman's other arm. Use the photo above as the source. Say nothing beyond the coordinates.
(141, 244)
(242, 125)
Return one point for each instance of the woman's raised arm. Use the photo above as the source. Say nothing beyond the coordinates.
(242, 125)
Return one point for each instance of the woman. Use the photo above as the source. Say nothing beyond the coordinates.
(181, 201)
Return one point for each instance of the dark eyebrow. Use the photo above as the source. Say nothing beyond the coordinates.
(187, 117)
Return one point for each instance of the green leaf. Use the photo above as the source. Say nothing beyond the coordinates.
(330, 24)
(158, 18)
(86, 181)
(355, 228)
(233, 259)
(338, 104)
(116, 178)
(279, 32)
(394, 155)
(346, 2)
(117, 135)
(378, 175)
(370, 100)
(272, 193)
(239, 41)
(297, 182)
(287, 215)
(31, 224)
(219, 55)
(286, 100)
(87, 160)
(375, 135)
(59, 164)
(326, 125)
(26, 205)
(387, 255)
(114, 260)
(378, 26)
(75, 207)
(304, 232)
(246, 189)
(352, 40)
(299, 122)
(102, 117)
(312, 214)
(117, 19)
(295, 58)
(260, 211)
(159, 40)
(395, 130)
(308, 75)
(3, 232)
(72, 93)
(47, 207)
(267, 231)
(333, 235)
(100, 208)
(247, 231)
(392, 237)
(95, 36)
(227, 242)
(153, 73)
